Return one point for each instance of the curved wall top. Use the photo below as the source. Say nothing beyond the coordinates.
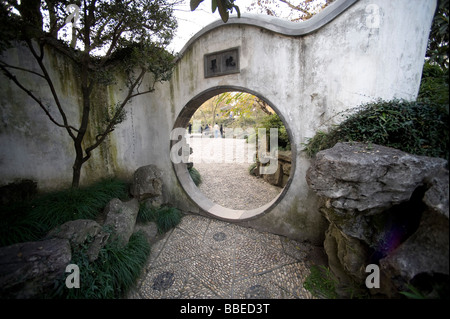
(278, 25)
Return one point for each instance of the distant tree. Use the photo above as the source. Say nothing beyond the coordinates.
(106, 35)
(297, 10)
(437, 49)
(434, 85)
(293, 10)
(245, 108)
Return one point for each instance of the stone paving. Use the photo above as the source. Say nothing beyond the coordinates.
(205, 258)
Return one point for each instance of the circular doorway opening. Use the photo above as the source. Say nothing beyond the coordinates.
(240, 146)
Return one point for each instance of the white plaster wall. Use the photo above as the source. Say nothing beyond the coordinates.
(309, 79)
(31, 147)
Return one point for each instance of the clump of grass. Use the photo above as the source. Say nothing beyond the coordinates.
(195, 175)
(165, 217)
(146, 214)
(31, 220)
(321, 283)
(110, 276)
(168, 217)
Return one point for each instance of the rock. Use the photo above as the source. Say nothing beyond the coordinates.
(436, 197)
(424, 252)
(121, 216)
(356, 177)
(76, 231)
(147, 182)
(150, 231)
(385, 207)
(28, 270)
(347, 257)
(82, 231)
(275, 178)
(99, 241)
(285, 156)
(154, 202)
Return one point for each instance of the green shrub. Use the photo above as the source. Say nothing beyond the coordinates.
(195, 175)
(419, 127)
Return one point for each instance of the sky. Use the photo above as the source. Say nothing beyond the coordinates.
(190, 22)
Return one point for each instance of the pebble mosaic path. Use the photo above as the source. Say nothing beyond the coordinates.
(205, 258)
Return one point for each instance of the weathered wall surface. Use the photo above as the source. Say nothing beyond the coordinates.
(373, 49)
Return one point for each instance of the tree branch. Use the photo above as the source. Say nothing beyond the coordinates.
(6, 65)
(298, 8)
(39, 59)
(39, 102)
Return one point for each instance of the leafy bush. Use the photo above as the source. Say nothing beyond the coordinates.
(31, 220)
(419, 127)
(111, 275)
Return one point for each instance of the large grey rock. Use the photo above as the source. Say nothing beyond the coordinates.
(437, 196)
(150, 231)
(147, 182)
(425, 252)
(368, 179)
(346, 256)
(121, 216)
(76, 231)
(27, 270)
(386, 207)
(82, 231)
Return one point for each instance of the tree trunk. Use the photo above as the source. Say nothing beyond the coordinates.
(86, 89)
(78, 163)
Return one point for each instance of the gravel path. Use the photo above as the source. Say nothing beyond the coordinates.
(223, 165)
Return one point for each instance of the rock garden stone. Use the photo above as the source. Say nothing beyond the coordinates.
(150, 230)
(76, 231)
(28, 269)
(147, 182)
(82, 231)
(121, 216)
(356, 177)
(385, 207)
